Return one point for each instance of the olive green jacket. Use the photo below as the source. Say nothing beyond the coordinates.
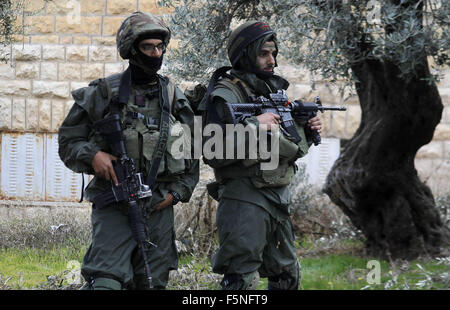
(245, 188)
(79, 142)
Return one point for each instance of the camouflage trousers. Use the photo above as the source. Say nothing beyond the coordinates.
(254, 244)
(114, 257)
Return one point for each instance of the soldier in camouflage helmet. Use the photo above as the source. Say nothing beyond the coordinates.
(254, 227)
(113, 261)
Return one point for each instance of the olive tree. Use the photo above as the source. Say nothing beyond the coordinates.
(8, 16)
(10, 11)
(390, 52)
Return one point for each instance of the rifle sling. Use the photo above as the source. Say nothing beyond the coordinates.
(109, 196)
(213, 116)
(160, 149)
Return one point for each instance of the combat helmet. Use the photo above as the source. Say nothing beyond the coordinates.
(243, 36)
(137, 25)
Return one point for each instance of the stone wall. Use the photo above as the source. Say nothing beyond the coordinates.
(66, 44)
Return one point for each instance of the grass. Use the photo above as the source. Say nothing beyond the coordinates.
(35, 255)
(33, 268)
(30, 267)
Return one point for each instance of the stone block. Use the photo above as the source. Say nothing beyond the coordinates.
(151, 6)
(6, 71)
(69, 72)
(35, 6)
(69, 7)
(76, 53)
(49, 71)
(111, 24)
(91, 25)
(77, 85)
(27, 70)
(67, 106)
(39, 24)
(85, 40)
(102, 54)
(15, 88)
(121, 7)
(93, 7)
(111, 41)
(112, 68)
(32, 114)
(5, 113)
(26, 52)
(45, 115)
(50, 89)
(65, 40)
(84, 25)
(91, 71)
(57, 114)
(18, 114)
(53, 52)
(46, 39)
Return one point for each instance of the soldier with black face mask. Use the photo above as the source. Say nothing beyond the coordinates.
(253, 216)
(113, 260)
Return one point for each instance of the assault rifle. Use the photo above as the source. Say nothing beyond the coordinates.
(130, 188)
(278, 103)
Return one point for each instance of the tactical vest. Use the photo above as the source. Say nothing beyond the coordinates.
(288, 150)
(141, 119)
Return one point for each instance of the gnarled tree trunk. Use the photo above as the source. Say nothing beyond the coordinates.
(374, 180)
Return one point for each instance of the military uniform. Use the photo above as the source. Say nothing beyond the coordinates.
(253, 217)
(112, 261)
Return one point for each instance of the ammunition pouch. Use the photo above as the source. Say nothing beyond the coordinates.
(142, 140)
(281, 176)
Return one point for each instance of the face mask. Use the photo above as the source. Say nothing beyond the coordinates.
(150, 65)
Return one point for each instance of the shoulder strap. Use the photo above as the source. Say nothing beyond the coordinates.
(212, 116)
(237, 86)
(170, 92)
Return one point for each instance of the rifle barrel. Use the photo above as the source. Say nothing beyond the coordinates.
(333, 108)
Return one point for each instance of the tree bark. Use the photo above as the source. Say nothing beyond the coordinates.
(374, 180)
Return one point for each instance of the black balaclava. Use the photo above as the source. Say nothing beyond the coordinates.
(247, 62)
(143, 67)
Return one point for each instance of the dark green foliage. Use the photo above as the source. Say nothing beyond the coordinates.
(327, 36)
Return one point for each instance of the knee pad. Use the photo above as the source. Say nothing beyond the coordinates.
(104, 284)
(236, 281)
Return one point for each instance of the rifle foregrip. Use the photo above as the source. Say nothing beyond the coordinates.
(316, 137)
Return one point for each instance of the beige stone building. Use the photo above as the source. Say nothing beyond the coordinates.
(66, 44)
